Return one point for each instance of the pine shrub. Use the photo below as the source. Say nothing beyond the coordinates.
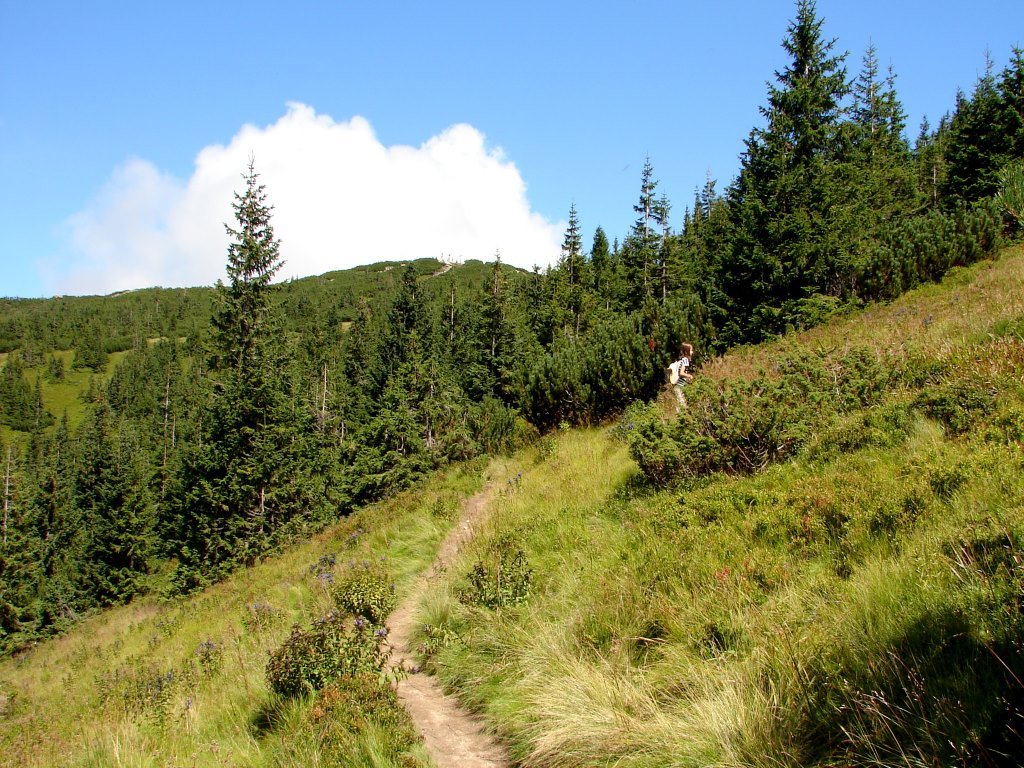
(922, 249)
(957, 405)
(743, 425)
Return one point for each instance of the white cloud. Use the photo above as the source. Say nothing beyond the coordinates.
(341, 198)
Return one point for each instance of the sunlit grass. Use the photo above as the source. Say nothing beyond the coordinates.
(821, 610)
(696, 628)
(53, 710)
(936, 319)
(817, 612)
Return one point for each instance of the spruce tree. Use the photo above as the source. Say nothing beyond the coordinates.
(977, 145)
(362, 366)
(406, 317)
(881, 171)
(571, 278)
(112, 495)
(600, 266)
(787, 195)
(18, 404)
(929, 158)
(497, 334)
(704, 243)
(640, 252)
(55, 523)
(1011, 92)
(247, 478)
(241, 323)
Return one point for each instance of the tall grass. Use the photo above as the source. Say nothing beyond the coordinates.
(183, 682)
(777, 620)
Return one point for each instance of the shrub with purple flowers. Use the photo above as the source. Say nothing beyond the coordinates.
(140, 689)
(209, 656)
(323, 570)
(334, 646)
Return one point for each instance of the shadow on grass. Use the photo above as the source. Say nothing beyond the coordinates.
(268, 718)
(633, 488)
(938, 693)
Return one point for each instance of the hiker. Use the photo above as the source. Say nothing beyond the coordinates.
(678, 374)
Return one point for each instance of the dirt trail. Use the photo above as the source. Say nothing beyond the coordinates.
(453, 737)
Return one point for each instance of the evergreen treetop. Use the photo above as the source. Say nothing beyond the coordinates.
(253, 260)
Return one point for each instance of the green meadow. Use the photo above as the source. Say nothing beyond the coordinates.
(860, 603)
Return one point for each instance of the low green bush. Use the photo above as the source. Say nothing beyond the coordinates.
(1007, 428)
(653, 444)
(742, 426)
(365, 589)
(334, 646)
(498, 428)
(503, 581)
(957, 405)
(947, 480)
(881, 427)
(345, 710)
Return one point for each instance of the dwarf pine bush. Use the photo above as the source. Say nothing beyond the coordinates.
(741, 426)
(956, 405)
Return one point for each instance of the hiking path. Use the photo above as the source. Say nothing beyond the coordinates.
(454, 738)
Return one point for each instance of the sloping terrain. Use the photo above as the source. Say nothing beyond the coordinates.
(183, 682)
(856, 601)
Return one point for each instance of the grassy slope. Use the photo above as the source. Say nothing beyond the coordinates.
(79, 700)
(738, 621)
(936, 319)
(861, 608)
(68, 395)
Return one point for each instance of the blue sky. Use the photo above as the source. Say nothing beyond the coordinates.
(123, 125)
